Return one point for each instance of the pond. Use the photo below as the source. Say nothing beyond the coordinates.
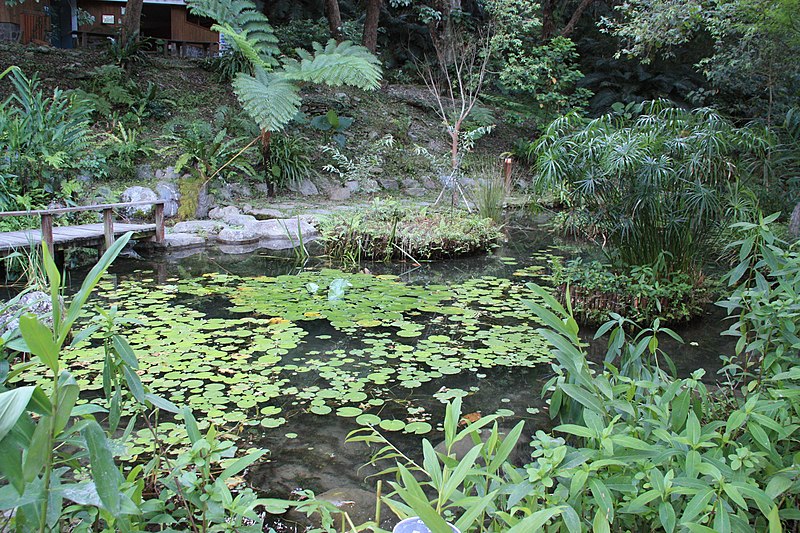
(292, 359)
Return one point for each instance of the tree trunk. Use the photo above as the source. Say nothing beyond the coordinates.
(548, 22)
(371, 24)
(334, 19)
(132, 21)
(573, 21)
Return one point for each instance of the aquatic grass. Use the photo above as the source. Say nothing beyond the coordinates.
(388, 231)
(491, 188)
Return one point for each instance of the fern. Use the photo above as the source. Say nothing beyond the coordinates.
(269, 98)
(244, 26)
(336, 64)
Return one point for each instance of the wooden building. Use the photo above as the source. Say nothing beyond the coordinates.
(168, 21)
(26, 22)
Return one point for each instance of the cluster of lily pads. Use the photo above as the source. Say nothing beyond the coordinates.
(251, 352)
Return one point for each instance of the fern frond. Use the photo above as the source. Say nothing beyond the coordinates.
(270, 99)
(336, 64)
(242, 21)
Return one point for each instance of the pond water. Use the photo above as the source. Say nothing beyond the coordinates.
(293, 358)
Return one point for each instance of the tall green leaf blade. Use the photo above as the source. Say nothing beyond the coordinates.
(39, 339)
(12, 404)
(105, 474)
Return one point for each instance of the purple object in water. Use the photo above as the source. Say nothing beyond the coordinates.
(416, 525)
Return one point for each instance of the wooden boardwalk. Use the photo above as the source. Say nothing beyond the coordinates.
(100, 235)
(85, 235)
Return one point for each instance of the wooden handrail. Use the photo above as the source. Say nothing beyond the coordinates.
(108, 220)
(62, 210)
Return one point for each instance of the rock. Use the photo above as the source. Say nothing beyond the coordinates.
(429, 183)
(339, 194)
(246, 235)
(138, 194)
(284, 229)
(389, 184)
(169, 193)
(794, 222)
(263, 188)
(353, 186)
(416, 192)
(183, 240)
(220, 213)
(36, 302)
(370, 185)
(104, 195)
(239, 220)
(409, 183)
(306, 187)
(144, 172)
(264, 213)
(205, 203)
(231, 191)
(359, 504)
(199, 227)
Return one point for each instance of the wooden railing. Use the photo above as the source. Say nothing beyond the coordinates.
(108, 219)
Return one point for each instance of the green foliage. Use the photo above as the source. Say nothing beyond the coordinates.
(334, 125)
(122, 150)
(131, 52)
(546, 73)
(755, 52)
(389, 231)
(44, 142)
(635, 448)
(116, 97)
(641, 293)
(290, 162)
(657, 181)
(491, 188)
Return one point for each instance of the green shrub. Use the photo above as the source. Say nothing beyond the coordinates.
(44, 142)
(657, 181)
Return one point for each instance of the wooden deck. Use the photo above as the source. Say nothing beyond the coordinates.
(102, 235)
(88, 235)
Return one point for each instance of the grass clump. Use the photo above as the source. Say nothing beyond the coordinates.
(388, 230)
(641, 294)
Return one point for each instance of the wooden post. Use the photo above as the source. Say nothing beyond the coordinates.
(507, 171)
(160, 223)
(108, 227)
(47, 234)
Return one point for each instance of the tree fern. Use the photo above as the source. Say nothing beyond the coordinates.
(269, 98)
(336, 64)
(243, 25)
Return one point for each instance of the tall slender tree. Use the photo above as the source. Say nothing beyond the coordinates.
(132, 20)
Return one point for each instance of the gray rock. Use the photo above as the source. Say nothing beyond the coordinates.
(429, 183)
(794, 222)
(138, 194)
(306, 187)
(370, 185)
(36, 302)
(284, 229)
(389, 184)
(205, 203)
(246, 235)
(231, 191)
(262, 188)
(410, 183)
(144, 172)
(239, 220)
(104, 195)
(183, 240)
(339, 194)
(264, 213)
(219, 213)
(353, 186)
(199, 227)
(169, 193)
(416, 192)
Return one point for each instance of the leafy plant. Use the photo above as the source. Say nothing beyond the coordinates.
(43, 141)
(132, 51)
(657, 181)
(122, 149)
(333, 123)
(290, 162)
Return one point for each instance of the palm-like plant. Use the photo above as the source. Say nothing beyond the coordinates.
(658, 180)
(269, 89)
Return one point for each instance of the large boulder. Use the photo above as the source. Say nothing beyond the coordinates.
(284, 229)
(339, 194)
(305, 187)
(169, 193)
(138, 194)
(183, 240)
(246, 235)
(239, 220)
(36, 302)
(199, 227)
(219, 213)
